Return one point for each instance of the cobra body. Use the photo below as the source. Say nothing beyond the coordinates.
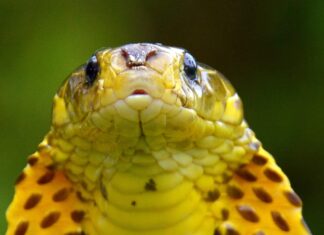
(145, 141)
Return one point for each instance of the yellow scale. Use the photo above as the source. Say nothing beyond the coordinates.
(145, 141)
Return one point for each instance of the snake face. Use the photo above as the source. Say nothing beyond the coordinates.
(145, 92)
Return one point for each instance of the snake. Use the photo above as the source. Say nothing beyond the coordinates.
(146, 140)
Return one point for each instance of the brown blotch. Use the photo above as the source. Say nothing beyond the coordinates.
(46, 178)
(226, 178)
(61, 195)
(50, 219)
(273, 175)
(259, 160)
(51, 167)
(248, 213)
(246, 175)
(133, 203)
(262, 195)
(217, 232)
(225, 214)
(234, 192)
(231, 231)
(32, 160)
(212, 195)
(20, 178)
(293, 198)
(32, 201)
(80, 197)
(150, 185)
(22, 228)
(77, 216)
(280, 221)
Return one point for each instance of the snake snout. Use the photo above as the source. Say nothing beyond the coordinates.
(137, 54)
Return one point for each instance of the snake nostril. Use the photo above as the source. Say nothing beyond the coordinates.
(124, 53)
(137, 54)
(150, 54)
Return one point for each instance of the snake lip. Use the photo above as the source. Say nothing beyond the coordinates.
(139, 92)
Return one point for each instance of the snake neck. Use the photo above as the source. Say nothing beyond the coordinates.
(216, 154)
(141, 182)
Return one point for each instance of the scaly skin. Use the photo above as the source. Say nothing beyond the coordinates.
(142, 148)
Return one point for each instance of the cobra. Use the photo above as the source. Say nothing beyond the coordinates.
(145, 140)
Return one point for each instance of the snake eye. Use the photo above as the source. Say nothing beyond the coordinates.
(92, 70)
(190, 66)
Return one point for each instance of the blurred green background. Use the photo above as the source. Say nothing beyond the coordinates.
(272, 51)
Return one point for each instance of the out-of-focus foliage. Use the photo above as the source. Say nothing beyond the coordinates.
(272, 51)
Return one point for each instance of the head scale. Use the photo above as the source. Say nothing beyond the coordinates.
(147, 93)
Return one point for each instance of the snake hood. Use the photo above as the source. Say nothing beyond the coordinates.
(146, 141)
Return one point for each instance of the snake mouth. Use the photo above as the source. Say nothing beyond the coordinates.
(139, 92)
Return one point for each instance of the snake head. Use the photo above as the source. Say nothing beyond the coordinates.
(145, 90)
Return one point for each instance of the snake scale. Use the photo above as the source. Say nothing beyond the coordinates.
(145, 140)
